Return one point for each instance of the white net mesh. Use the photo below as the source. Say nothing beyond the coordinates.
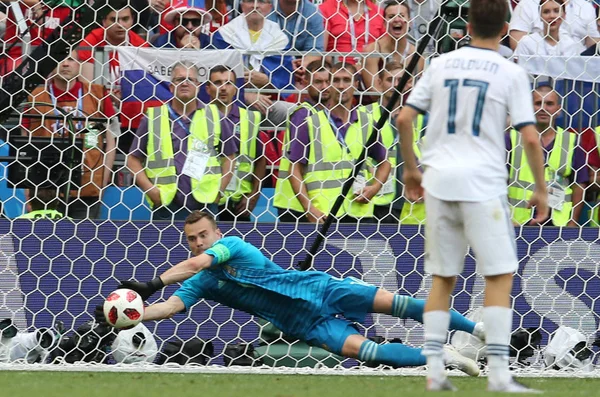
(77, 80)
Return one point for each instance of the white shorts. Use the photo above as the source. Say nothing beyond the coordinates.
(453, 226)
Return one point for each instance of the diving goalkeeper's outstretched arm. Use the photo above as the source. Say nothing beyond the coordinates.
(166, 309)
(180, 272)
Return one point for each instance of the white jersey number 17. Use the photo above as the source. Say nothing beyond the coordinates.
(453, 84)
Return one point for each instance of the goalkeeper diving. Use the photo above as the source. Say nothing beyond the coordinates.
(312, 306)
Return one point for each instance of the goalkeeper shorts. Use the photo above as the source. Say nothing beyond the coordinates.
(349, 297)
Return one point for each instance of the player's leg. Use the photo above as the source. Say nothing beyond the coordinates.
(392, 354)
(340, 337)
(491, 235)
(354, 298)
(445, 250)
(404, 307)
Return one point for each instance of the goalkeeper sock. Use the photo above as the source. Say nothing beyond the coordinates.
(392, 354)
(408, 307)
(498, 324)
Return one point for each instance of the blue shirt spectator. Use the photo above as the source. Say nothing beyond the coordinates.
(302, 22)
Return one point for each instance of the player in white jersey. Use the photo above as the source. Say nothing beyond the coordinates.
(468, 94)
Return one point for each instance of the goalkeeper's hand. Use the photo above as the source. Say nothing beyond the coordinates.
(145, 290)
(99, 315)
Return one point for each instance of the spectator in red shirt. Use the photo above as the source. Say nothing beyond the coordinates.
(116, 30)
(350, 34)
(40, 29)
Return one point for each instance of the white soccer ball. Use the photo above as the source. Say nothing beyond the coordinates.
(124, 308)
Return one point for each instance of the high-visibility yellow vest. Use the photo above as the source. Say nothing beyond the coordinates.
(42, 214)
(388, 139)
(558, 168)
(284, 196)
(205, 129)
(329, 166)
(248, 133)
(414, 213)
(411, 213)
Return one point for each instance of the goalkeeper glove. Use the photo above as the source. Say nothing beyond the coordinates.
(99, 315)
(145, 290)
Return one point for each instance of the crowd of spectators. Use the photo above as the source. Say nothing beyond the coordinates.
(344, 54)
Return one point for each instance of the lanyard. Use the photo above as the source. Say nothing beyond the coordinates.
(353, 36)
(341, 139)
(79, 109)
(178, 120)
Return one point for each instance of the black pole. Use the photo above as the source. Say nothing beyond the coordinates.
(432, 31)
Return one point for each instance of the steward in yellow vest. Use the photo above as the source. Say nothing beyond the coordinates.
(389, 137)
(559, 176)
(320, 157)
(390, 206)
(294, 152)
(329, 164)
(285, 199)
(183, 153)
(242, 192)
(412, 213)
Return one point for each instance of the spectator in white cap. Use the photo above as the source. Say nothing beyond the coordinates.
(188, 22)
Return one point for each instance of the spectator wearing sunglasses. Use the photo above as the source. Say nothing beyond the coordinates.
(188, 22)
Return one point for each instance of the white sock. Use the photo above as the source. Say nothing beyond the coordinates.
(436, 334)
(498, 325)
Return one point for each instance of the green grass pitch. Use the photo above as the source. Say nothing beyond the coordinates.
(103, 384)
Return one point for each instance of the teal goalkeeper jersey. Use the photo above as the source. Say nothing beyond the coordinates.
(241, 277)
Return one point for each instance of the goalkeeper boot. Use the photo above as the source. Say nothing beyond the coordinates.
(440, 385)
(454, 360)
(512, 387)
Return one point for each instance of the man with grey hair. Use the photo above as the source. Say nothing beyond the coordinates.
(183, 152)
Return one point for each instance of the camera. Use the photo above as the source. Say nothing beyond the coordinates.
(453, 33)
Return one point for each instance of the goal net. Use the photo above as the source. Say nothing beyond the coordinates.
(92, 195)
